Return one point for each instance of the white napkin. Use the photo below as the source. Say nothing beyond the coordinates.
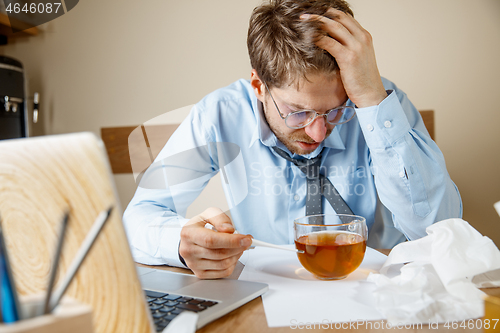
(436, 285)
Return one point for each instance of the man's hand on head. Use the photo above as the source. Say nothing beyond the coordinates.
(212, 254)
(351, 45)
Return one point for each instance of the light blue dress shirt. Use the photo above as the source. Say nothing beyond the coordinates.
(383, 163)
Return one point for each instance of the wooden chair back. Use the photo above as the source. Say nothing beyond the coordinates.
(428, 118)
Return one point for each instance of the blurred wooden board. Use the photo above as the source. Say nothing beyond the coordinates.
(42, 177)
(6, 30)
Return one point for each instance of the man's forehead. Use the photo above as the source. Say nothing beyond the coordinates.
(299, 82)
(327, 93)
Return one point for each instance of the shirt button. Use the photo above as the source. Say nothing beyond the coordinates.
(369, 127)
(387, 124)
(402, 174)
(296, 197)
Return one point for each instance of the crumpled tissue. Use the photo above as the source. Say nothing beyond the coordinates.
(432, 279)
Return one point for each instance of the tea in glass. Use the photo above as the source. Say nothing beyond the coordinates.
(334, 249)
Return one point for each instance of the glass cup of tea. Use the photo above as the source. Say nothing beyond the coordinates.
(333, 245)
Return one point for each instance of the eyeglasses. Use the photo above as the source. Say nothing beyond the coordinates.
(302, 118)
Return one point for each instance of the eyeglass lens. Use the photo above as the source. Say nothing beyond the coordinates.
(304, 118)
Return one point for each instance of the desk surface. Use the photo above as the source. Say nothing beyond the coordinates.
(251, 317)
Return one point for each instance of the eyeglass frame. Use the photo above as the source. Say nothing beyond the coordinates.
(307, 110)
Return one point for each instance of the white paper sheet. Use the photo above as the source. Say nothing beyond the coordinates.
(296, 296)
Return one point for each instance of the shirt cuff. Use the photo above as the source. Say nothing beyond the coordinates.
(383, 124)
(169, 247)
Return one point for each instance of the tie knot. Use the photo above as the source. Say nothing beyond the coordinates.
(317, 186)
(310, 167)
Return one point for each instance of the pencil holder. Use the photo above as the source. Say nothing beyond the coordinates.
(69, 316)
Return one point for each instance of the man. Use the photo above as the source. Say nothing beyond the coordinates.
(359, 130)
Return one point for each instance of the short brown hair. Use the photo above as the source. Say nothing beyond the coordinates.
(281, 45)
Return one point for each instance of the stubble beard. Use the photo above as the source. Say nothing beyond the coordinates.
(289, 140)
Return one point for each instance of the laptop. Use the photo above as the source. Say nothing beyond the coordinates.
(43, 176)
(211, 299)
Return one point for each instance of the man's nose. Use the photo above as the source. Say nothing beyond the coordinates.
(317, 129)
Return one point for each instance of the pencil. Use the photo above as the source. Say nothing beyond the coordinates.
(80, 257)
(55, 264)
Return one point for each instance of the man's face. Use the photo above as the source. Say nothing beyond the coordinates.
(319, 93)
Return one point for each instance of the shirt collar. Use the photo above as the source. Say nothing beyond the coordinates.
(263, 133)
(262, 130)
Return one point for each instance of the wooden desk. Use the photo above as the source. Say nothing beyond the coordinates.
(251, 318)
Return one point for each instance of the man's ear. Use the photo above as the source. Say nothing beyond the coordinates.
(258, 86)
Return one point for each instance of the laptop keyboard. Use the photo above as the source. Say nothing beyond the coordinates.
(165, 307)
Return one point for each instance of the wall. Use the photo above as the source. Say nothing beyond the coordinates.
(114, 63)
